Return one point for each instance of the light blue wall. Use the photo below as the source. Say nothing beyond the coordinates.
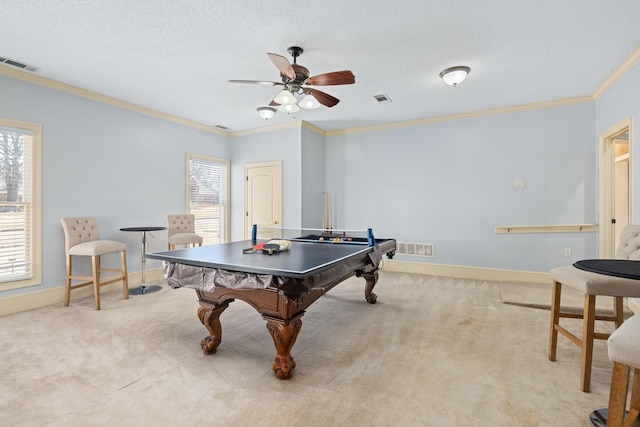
(448, 183)
(618, 103)
(313, 178)
(282, 145)
(451, 183)
(125, 168)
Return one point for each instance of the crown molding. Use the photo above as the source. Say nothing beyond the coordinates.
(622, 69)
(74, 90)
(617, 73)
(469, 115)
(314, 128)
(273, 128)
(281, 126)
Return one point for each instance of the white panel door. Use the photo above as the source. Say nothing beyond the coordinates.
(614, 182)
(263, 196)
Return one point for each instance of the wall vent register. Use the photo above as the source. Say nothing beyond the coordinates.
(415, 249)
(18, 64)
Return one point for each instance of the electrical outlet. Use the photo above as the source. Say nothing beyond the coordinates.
(567, 251)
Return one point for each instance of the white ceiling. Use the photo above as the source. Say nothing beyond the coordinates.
(176, 56)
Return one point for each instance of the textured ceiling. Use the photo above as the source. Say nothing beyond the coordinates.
(177, 56)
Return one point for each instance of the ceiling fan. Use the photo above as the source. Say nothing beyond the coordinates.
(296, 81)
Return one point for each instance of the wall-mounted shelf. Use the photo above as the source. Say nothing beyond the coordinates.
(560, 228)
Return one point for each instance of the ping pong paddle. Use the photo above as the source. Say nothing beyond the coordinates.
(270, 248)
(255, 248)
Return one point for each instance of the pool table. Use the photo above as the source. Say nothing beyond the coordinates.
(280, 286)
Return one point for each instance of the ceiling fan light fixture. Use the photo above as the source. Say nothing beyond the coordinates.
(289, 108)
(455, 75)
(309, 102)
(266, 112)
(285, 98)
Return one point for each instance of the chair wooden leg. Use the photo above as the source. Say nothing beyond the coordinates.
(618, 310)
(67, 297)
(125, 275)
(634, 407)
(618, 394)
(555, 318)
(95, 263)
(588, 331)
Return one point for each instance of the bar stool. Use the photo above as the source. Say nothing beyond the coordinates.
(624, 351)
(592, 285)
(182, 231)
(82, 238)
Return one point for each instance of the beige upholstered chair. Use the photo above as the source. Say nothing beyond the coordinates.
(182, 231)
(82, 239)
(592, 285)
(624, 352)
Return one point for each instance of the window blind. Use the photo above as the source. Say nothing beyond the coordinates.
(16, 205)
(207, 196)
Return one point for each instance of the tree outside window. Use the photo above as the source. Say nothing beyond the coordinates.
(20, 238)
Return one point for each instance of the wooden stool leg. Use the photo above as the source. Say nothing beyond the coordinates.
(618, 310)
(555, 318)
(125, 275)
(95, 262)
(634, 408)
(67, 297)
(618, 394)
(588, 326)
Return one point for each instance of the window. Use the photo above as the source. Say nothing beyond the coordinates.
(207, 197)
(20, 233)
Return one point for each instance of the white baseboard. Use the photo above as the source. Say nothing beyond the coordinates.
(50, 296)
(462, 272)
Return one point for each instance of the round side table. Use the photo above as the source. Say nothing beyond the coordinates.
(144, 288)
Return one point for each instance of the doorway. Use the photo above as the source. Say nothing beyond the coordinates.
(614, 186)
(263, 197)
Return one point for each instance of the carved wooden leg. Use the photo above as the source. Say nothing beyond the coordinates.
(372, 278)
(209, 315)
(284, 334)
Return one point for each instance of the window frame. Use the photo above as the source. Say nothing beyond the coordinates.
(36, 205)
(227, 210)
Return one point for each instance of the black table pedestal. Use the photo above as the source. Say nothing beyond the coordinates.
(144, 288)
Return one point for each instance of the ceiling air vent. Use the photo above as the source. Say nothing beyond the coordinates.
(221, 127)
(17, 64)
(382, 98)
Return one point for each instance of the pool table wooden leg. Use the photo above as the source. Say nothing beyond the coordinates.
(284, 334)
(209, 315)
(372, 278)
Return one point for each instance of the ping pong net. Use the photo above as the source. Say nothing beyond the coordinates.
(315, 235)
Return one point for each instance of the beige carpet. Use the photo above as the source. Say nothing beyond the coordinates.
(433, 351)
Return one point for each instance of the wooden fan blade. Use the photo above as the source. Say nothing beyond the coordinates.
(323, 98)
(345, 77)
(283, 65)
(257, 82)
